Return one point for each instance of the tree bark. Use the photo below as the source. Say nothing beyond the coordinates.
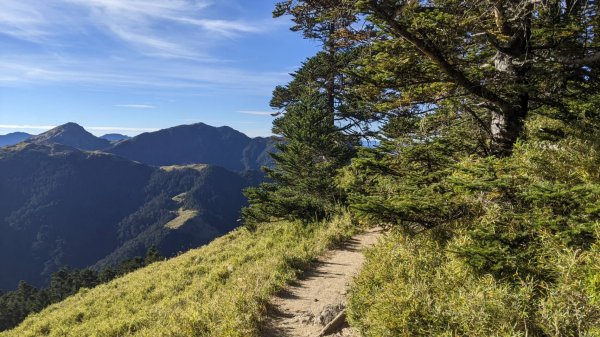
(507, 126)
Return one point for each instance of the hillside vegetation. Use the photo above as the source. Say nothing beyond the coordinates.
(486, 172)
(63, 207)
(218, 290)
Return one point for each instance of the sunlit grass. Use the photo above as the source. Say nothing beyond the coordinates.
(217, 290)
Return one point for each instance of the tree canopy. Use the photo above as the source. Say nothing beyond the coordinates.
(485, 168)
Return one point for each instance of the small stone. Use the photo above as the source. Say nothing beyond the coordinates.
(329, 313)
(305, 319)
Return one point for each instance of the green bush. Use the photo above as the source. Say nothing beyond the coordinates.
(415, 287)
(523, 259)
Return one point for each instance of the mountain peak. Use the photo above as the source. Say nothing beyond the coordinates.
(71, 126)
(71, 134)
(197, 143)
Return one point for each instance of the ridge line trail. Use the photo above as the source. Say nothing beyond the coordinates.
(304, 306)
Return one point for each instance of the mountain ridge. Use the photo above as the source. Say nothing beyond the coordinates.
(197, 143)
(13, 138)
(63, 206)
(179, 145)
(71, 134)
(114, 137)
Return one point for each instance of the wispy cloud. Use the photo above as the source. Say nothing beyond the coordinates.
(22, 127)
(257, 113)
(35, 70)
(174, 28)
(135, 106)
(24, 20)
(134, 43)
(223, 27)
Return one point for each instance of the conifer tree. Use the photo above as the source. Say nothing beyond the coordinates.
(302, 182)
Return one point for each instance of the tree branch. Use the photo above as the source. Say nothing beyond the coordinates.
(434, 55)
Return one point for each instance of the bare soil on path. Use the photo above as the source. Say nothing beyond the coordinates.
(307, 305)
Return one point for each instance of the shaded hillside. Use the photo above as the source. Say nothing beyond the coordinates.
(197, 143)
(185, 207)
(73, 135)
(13, 138)
(61, 206)
(58, 206)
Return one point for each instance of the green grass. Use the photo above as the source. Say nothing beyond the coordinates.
(217, 290)
(183, 216)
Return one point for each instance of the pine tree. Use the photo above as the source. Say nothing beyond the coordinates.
(302, 182)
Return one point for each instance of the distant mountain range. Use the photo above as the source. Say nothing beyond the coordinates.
(13, 138)
(180, 145)
(17, 137)
(114, 137)
(197, 143)
(63, 204)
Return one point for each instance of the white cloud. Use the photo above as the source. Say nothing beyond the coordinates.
(89, 128)
(222, 27)
(21, 127)
(125, 43)
(23, 20)
(35, 70)
(135, 106)
(257, 113)
(174, 28)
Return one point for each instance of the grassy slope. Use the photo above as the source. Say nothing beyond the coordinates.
(218, 290)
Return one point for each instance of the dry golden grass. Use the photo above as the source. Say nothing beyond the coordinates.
(217, 290)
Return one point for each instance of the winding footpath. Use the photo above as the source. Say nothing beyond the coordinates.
(314, 305)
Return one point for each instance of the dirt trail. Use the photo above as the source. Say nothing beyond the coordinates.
(307, 305)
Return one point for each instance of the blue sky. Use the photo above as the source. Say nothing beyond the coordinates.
(131, 66)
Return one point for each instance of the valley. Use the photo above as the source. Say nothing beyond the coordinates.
(69, 198)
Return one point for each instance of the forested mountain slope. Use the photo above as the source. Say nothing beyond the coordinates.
(62, 206)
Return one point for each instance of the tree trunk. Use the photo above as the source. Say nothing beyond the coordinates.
(331, 73)
(507, 126)
(507, 122)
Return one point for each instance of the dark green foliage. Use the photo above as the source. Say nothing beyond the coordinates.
(16, 305)
(514, 238)
(538, 214)
(302, 182)
(404, 181)
(348, 110)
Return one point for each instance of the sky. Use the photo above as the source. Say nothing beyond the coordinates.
(133, 66)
